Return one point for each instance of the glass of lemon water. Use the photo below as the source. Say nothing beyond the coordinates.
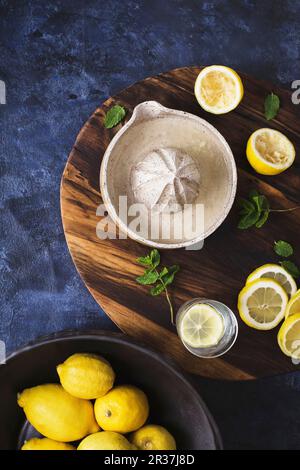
(207, 328)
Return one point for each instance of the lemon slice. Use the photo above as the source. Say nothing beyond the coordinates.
(218, 89)
(289, 336)
(262, 304)
(293, 306)
(277, 272)
(201, 327)
(270, 152)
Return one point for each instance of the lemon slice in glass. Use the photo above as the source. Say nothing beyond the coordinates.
(262, 304)
(202, 326)
(218, 89)
(293, 306)
(270, 152)
(277, 272)
(289, 336)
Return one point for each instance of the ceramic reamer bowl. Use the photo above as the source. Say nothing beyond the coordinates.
(153, 127)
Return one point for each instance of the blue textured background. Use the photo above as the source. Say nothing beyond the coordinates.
(59, 60)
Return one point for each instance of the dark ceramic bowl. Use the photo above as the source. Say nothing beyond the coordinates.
(174, 403)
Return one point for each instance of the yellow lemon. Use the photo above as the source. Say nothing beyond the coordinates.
(56, 414)
(262, 304)
(124, 409)
(289, 336)
(277, 272)
(218, 89)
(45, 444)
(153, 437)
(294, 305)
(270, 152)
(86, 376)
(105, 440)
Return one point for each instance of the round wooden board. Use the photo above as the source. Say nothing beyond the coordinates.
(218, 271)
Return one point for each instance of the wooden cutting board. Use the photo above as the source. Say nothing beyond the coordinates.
(218, 271)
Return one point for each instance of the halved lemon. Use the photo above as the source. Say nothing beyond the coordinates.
(201, 326)
(289, 336)
(293, 306)
(270, 152)
(262, 304)
(277, 272)
(218, 89)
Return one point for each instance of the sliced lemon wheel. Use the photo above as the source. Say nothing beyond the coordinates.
(270, 152)
(277, 272)
(201, 326)
(293, 306)
(289, 336)
(218, 89)
(262, 304)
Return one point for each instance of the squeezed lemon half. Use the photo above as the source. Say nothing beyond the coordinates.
(289, 336)
(218, 89)
(262, 304)
(278, 273)
(270, 152)
(201, 326)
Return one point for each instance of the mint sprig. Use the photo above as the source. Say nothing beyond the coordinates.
(272, 106)
(255, 211)
(159, 279)
(114, 116)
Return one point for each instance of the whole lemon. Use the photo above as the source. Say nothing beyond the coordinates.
(45, 444)
(124, 409)
(86, 376)
(56, 414)
(105, 440)
(153, 437)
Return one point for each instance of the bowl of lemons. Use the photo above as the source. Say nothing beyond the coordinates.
(99, 391)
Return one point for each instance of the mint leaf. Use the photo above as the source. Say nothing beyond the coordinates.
(263, 219)
(163, 272)
(272, 105)
(283, 249)
(291, 268)
(155, 258)
(248, 220)
(157, 290)
(114, 116)
(148, 278)
(144, 260)
(246, 206)
(259, 202)
(264, 209)
(168, 277)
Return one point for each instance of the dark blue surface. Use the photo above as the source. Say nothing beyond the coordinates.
(59, 60)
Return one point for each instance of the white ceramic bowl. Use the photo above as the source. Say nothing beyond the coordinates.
(151, 127)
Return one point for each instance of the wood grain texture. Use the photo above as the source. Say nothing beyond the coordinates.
(219, 270)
